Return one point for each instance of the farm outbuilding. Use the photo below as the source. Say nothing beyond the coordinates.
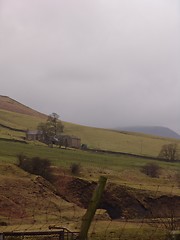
(34, 135)
(70, 141)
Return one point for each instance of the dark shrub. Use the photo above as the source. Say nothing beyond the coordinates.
(151, 170)
(3, 223)
(75, 168)
(36, 165)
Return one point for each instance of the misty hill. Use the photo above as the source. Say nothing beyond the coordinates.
(153, 130)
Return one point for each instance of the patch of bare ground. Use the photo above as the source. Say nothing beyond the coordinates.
(120, 202)
(9, 104)
(23, 196)
(29, 197)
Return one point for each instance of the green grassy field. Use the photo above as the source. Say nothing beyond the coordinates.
(120, 169)
(94, 137)
(117, 168)
(19, 121)
(118, 141)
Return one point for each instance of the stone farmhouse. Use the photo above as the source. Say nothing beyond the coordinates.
(63, 140)
(70, 141)
(34, 135)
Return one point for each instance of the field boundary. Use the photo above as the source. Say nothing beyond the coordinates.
(127, 154)
(11, 128)
(13, 140)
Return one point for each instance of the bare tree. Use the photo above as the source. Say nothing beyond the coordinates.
(52, 128)
(169, 152)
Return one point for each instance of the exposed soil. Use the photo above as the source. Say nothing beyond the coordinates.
(25, 196)
(22, 195)
(19, 195)
(118, 201)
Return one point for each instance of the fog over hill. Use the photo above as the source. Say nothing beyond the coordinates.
(152, 130)
(95, 63)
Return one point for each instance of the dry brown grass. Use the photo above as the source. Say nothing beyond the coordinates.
(12, 105)
(30, 200)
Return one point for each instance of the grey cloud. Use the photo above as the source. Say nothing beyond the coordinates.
(101, 63)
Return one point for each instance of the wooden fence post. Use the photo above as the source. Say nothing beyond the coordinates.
(175, 235)
(88, 217)
(1, 236)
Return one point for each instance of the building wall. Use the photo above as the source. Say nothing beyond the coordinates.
(33, 137)
(30, 137)
(69, 141)
(76, 143)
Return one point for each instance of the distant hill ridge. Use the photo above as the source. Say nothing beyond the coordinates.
(9, 104)
(152, 130)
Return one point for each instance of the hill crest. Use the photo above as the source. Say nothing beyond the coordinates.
(9, 104)
(152, 130)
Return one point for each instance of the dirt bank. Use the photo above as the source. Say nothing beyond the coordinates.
(119, 201)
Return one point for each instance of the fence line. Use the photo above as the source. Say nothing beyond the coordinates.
(62, 214)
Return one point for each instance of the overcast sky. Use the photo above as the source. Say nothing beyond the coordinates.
(104, 63)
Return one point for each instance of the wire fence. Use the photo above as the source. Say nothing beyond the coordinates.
(48, 211)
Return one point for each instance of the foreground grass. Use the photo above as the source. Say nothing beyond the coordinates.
(100, 229)
(126, 230)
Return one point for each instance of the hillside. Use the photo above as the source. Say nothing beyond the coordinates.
(33, 202)
(17, 116)
(153, 130)
(36, 203)
(30, 202)
(12, 105)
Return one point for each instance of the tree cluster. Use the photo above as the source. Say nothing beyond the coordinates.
(51, 129)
